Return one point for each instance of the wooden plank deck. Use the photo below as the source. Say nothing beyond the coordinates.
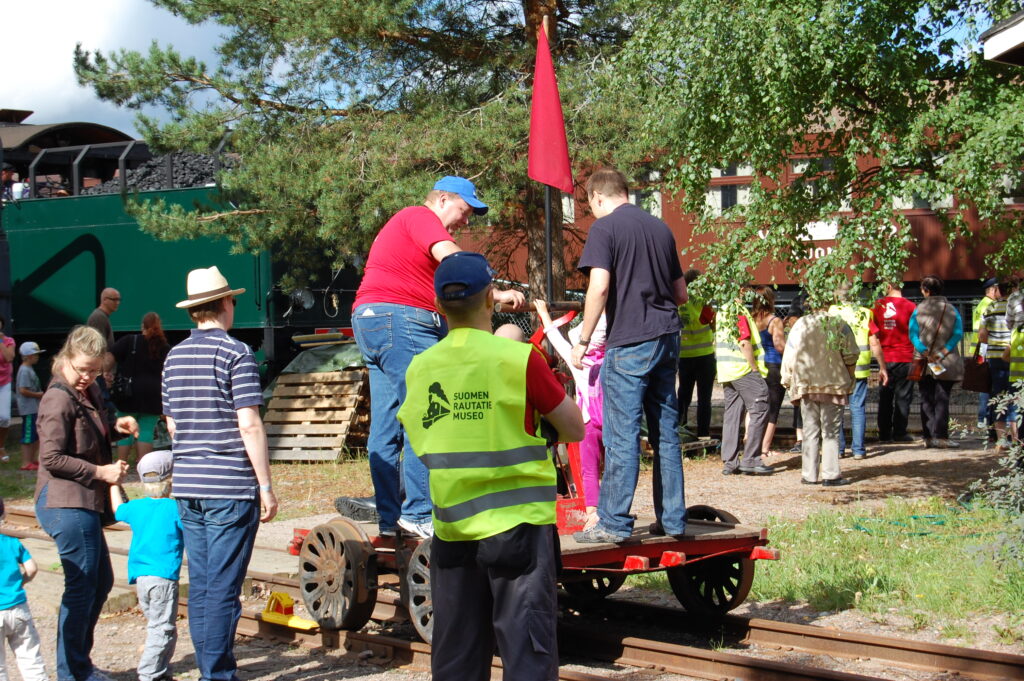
(696, 531)
(311, 417)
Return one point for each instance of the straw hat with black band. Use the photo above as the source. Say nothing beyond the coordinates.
(207, 284)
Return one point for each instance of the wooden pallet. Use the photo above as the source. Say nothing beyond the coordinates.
(312, 417)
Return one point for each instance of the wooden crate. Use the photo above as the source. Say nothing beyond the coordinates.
(312, 417)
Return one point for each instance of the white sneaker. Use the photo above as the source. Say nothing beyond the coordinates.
(982, 424)
(424, 529)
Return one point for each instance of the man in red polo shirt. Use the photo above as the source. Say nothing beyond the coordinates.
(394, 318)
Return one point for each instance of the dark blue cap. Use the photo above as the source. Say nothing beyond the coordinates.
(989, 283)
(465, 189)
(467, 268)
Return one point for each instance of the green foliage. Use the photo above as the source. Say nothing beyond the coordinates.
(889, 100)
(344, 112)
(921, 558)
(1004, 489)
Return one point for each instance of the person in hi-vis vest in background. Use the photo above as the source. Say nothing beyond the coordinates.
(471, 408)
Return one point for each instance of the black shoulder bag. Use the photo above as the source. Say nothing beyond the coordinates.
(121, 391)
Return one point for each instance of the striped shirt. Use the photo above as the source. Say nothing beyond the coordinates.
(994, 320)
(207, 378)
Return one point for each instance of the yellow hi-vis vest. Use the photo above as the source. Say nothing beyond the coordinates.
(858, 318)
(971, 339)
(1017, 356)
(463, 413)
(695, 339)
(729, 360)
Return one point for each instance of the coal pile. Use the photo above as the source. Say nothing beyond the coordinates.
(188, 169)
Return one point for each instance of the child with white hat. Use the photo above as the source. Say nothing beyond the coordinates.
(154, 559)
(30, 391)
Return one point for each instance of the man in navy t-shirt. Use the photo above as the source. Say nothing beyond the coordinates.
(635, 278)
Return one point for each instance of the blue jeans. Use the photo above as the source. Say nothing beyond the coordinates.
(638, 380)
(219, 534)
(88, 578)
(389, 336)
(858, 419)
(1000, 370)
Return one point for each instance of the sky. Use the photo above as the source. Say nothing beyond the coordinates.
(37, 75)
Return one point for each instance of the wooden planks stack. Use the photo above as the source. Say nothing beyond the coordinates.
(312, 417)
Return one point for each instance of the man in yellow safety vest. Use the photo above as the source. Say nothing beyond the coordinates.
(862, 322)
(741, 371)
(471, 410)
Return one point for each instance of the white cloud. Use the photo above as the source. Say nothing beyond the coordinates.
(37, 73)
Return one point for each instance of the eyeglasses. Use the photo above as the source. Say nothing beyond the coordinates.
(234, 302)
(87, 373)
(114, 299)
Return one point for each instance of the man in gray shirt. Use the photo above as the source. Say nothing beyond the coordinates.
(110, 300)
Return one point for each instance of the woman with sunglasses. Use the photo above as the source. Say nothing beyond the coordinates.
(76, 470)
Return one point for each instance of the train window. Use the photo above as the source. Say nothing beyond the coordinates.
(919, 202)
(1013, 189)
(798, 166)
(648, 199)
(568, 208)
(734, 170)
(722, 197)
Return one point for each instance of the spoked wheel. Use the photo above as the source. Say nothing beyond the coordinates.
(416, 593)
(595, 585)
(716, 585)
(338, 575)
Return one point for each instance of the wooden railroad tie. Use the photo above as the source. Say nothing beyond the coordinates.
(314, 417)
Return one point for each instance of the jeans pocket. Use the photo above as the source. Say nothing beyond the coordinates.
(373, 332)
(228, 512)
(632, 360)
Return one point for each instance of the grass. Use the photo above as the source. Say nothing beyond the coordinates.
(310, 488)
(302, 488)
(923, 560)
(16, 486)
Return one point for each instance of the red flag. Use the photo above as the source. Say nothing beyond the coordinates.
(549, 149)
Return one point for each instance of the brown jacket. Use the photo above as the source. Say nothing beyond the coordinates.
(936, 320)
(70, 449)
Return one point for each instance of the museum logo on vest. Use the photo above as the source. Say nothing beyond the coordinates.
(468, 405)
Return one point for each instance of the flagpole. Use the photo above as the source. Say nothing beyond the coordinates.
(549, 255)
(547, 243)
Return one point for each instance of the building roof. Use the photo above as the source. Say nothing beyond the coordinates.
(19, 140)
(1004, 42)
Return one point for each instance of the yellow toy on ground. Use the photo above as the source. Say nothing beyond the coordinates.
(280, 609)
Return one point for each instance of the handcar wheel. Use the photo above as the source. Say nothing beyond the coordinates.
(338, 575)
(595, 586)
(716, 585)
(417, 591)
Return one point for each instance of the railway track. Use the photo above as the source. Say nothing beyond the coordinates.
(785, 636)
(594, 634)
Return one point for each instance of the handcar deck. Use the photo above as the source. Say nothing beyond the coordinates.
(696, 531)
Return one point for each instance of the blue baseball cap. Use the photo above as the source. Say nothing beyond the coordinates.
(465, 189)
(462, 267)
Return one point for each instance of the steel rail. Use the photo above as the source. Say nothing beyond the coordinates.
(969, 662)
(584, 640)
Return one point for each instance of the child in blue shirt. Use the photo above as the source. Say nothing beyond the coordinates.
(16, 625)
(154, 560)
(30, 391)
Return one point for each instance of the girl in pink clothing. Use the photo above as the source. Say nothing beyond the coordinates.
(588, 397)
